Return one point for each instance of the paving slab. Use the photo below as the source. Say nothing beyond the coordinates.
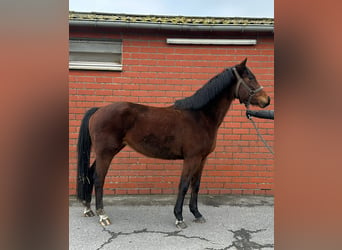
(147, 222)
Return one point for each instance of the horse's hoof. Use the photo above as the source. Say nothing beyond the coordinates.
(88, 213)
(200, 220)
(104, 220)
(181, 224)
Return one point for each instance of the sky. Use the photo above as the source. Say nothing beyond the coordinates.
(214, 8)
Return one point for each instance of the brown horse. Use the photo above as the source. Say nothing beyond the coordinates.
(186, 130)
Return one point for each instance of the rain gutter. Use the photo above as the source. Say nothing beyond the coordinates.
(173, 27)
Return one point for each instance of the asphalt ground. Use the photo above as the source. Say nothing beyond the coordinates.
(147, 222)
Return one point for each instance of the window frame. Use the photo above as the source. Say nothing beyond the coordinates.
(91, 64)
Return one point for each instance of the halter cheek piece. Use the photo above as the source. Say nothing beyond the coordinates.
(251, 91)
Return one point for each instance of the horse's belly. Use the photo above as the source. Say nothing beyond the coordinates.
(151, 145)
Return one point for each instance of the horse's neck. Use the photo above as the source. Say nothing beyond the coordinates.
(217, 109)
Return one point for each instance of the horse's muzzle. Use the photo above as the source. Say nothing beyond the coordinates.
(264, 102)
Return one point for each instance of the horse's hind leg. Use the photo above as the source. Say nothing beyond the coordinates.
(87, 210)
(104, 157)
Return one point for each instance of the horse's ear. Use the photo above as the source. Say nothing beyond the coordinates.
(241, 67)
(243, 63)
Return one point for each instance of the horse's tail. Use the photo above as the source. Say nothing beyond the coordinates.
(84, 172)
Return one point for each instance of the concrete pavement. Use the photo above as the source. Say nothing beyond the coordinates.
(147, 222)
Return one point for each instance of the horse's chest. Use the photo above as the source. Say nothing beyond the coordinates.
(213, 145)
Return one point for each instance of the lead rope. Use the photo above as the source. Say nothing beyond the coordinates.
(260, 136)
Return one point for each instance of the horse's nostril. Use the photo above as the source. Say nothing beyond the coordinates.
(265, 102)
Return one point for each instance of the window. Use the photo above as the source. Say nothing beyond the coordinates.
(95, 54)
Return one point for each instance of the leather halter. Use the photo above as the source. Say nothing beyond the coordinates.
(251, 91)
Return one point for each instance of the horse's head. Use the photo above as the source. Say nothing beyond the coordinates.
(247, 89)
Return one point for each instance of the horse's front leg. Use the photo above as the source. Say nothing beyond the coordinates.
(189, 168)
(195, 184)
(178, 210)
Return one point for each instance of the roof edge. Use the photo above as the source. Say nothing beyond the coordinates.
(174, 27)
(175, 23)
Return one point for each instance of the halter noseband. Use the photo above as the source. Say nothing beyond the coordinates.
(251, 91)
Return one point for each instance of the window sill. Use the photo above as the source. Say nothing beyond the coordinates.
(211, 41)
(95, 66)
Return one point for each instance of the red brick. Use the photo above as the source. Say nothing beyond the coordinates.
(144, 191)
(240, 179)
(223, 179)
(237, 191)
(169, 191)
(225, 191)
(156, 191)
(212, 185)
(213, 191)
(248, 191)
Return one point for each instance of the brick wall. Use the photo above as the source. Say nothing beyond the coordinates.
(157, 74)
